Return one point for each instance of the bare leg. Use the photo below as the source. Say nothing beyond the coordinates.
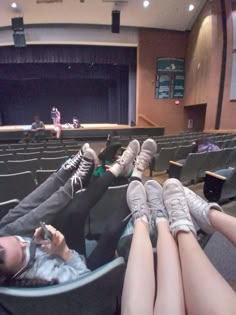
(170, 296)
(206, 292)
(224, 223)
(139, 286)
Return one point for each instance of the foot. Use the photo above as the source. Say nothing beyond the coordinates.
(155, 201)
(148, 148)
(126, 158)
(177, 207)
(200, 209)
(73, 163)
(130, 153)
(84, 172)
(137, 201)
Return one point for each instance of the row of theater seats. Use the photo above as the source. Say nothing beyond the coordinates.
(179, 150)
(25, 166)
(196, 164)
(97, 293)
(16, 166)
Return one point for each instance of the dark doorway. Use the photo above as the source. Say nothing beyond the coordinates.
(194, 117)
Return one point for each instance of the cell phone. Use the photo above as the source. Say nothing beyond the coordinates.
(47, 234)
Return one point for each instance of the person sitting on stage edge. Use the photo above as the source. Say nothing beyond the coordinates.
(38, 129)
(40, 261)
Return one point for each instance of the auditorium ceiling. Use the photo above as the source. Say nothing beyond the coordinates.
(163, 14)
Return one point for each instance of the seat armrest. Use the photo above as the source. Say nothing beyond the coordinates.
(215, 175)
(176, 163)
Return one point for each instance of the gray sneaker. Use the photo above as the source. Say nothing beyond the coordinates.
(199, 209)
(177, 207)
(148, 149)
(129, 154)
(137, 200)
(155, 201)
(73, 163)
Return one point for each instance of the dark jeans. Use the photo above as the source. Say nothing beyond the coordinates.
(53, 203)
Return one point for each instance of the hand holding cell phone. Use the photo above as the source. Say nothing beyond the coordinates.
(47, 234)
(52, 241)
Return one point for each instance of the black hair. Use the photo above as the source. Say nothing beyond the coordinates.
(5, 280)
(2, 255)
(29, 283)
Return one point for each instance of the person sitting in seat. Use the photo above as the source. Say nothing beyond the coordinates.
(44, 260)
(204, 145)
(38, 129)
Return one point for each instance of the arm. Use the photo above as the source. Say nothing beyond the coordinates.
(70, 265)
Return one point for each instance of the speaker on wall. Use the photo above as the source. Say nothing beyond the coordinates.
(115, 27)
(17, 24)
(19, 39)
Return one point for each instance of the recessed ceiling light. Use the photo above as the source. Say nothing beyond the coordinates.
(14, 5)
(191, 7)
(146, 3)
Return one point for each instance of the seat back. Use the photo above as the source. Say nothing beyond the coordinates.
(112, 200)
(73, 147)
(54, 148)
(6, 206)
(53, 154)
(95, 293)
(224, 158)
(17, 146)
(3, 167)
(52, 163)
(34, 149)
(42, 175)
(16, 186)
(229, 187)
(28, 156)
(14, 151)
(182, 152)
(163, 158)
(192, 165)
(23, 165)
(211, 163)
(71, 152)
(6, 157)
(232, 158)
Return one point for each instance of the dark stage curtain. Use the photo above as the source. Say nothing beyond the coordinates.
(82, 94)
(90, 82)
(68, 54)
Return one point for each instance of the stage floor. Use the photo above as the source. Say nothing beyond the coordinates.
(51, 127)
(89, 131)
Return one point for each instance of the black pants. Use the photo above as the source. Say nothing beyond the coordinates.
(53, 203)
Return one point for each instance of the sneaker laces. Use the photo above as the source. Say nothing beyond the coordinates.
(126, 155)
(80, 174)
(76, 159)
(157, 210)
(142, 161)
(177, 212)
(138, 210)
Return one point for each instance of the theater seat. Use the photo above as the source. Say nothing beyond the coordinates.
(93, 294)
(6, 206)
(16, 186)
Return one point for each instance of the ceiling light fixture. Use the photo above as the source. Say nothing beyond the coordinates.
(146, 3)
(14, 5)
(191, 7)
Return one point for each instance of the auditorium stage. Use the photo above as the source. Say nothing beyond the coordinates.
(89, 131)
